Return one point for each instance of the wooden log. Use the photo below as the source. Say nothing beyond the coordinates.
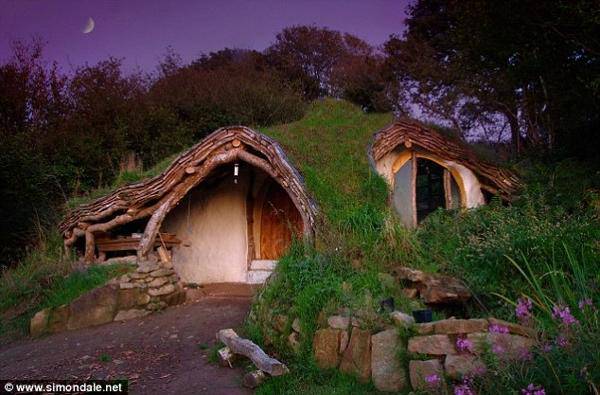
(254, 379)
(163, 254)
(250, 350)
(226, 357)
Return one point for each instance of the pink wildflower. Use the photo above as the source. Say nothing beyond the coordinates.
(547, 347)
(496, 328)
(562, 341)
(497, 349)
(586, 302)
(533, 390)
(433, 380)
(523, 309)
(464, 345)
(463, 389)
(563, 313)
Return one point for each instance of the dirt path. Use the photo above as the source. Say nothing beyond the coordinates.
(161, 353)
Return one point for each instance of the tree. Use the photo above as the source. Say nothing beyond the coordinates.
(533, 64)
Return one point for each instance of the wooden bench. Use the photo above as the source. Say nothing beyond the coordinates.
(105, 243)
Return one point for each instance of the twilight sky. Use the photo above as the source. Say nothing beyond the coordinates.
(140, 30)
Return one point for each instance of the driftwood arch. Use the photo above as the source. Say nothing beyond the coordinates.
(156, 197)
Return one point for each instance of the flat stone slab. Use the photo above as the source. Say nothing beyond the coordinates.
(431, 345)
(386, 371)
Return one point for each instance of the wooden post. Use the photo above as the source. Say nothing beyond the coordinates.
(90, 247)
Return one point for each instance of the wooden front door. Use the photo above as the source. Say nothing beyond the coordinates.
(280, 220)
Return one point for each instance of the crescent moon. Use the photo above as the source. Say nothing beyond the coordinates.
(89, 26)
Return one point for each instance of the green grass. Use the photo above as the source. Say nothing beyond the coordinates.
(45, 278)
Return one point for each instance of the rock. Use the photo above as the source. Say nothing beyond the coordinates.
(432, 345)
(129, 298)
(326, 348)
(356, 359)
(226, 357)
(280, 322)
(338, 322)
(294, 341)
(454, 326)
(344, 339)
(296, 325)
(175, 298)
(137, 275)
(124, 315)
(433, 288)
(157, 282)
(386, 371)
(457, 366)
(164, 290)
(502, 344)
(93, 308)
(254, 379)
(412, 275)
(59, 319)
(155, 306)
(161, 272)
(410, 293)
(147, 267)
(444, 290)
(425, 328)
(402, 319)
(124, 278)
(39, 322)
(420, 370)
(129, 285)
(514, 328)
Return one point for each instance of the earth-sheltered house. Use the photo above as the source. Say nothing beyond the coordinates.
(224, 211)
(426, 169)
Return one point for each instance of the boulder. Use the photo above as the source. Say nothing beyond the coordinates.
(402, 319)
(386, 371)
(514, 328)
(147, 267)
(129, 285)
(454, 326)
(164, 290)
(457, 366)
(423, 373)
(338, 322)
(59, 319)
(39, 322)
(124, 315)
(444, 290)
(326, 348)
(356, 359)
(93, 308)
(129, 298)
(431, 345)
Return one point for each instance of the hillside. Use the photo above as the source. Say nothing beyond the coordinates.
(542, 247)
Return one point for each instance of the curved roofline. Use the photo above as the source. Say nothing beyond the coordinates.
(410, 133)
(156, 196)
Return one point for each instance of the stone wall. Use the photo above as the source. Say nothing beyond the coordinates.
(417, 356)
(151, 287)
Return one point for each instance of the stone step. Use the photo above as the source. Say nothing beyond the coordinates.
(257, 276)
(263, 264)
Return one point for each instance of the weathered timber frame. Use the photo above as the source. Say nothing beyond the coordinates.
(156, 197)
(417, 138)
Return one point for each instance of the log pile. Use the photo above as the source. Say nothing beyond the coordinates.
(412, 134)
(155, 197)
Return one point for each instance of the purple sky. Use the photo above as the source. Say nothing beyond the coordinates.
(140, 30)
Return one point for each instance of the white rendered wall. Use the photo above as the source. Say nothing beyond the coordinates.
(212, 226)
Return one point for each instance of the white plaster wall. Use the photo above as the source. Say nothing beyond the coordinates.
(213, 231)
(474, 196)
